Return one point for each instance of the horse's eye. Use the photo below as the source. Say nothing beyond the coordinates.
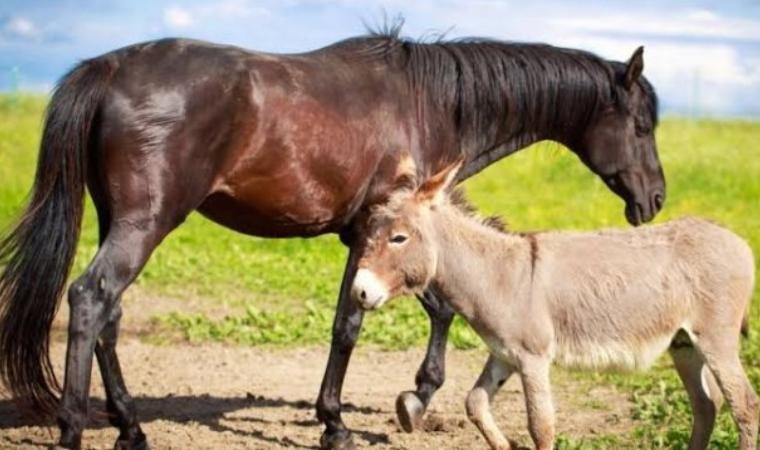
(642, 130)
(398, 239)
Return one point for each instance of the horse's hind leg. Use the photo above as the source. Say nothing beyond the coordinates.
(411, 405)
(122, 412)
(478, 403)
(93, 300)
(704, 394)
(120, 406)
(721, 354)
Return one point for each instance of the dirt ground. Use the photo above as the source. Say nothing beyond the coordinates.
(223, 397)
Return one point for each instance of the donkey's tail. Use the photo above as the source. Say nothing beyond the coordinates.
(745, 325)
(38, 252)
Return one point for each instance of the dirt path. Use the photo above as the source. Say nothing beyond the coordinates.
(223, 397)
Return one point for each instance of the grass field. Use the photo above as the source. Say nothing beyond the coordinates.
(283, 292)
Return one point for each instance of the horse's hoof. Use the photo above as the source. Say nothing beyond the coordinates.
(129, 445)
(410, 410)
(68, 441)
(139, 442)
(342, 440)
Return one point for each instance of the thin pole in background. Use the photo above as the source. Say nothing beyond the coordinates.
(14, 92)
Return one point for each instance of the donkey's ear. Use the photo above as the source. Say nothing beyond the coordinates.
(634, 68)
(433, 190)
(406, 173)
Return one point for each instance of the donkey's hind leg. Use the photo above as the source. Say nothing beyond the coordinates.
(704, 393)
(538, 401)
(722, 357)
(93, 300)
(411, 405)
(478, 404)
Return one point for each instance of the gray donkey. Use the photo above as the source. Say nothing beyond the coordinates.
(606, 299)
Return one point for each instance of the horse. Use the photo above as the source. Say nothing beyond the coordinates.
(280, 146)
(610, 299)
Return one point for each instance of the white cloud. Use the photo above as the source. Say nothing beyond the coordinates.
(236, 8)
(22, 28)
(690, 23)
(178, 17)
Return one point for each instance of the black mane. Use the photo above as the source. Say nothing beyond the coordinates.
(474, 79)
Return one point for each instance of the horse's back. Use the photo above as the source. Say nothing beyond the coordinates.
(271, 145)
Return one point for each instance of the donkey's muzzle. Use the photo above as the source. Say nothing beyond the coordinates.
(368, 290)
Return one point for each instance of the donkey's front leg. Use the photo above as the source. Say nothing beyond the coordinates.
(478, 404)
(411, 405)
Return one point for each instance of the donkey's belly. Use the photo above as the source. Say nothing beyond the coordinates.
(611, 355)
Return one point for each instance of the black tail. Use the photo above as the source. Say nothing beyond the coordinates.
(38, 252)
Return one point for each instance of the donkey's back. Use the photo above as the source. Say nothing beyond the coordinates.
(618, 298)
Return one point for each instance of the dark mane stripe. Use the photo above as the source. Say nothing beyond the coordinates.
(458, 199)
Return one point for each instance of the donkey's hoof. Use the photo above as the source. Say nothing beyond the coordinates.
(342, 440)
(410, 410)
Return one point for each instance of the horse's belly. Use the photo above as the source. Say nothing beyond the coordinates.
(273, 216)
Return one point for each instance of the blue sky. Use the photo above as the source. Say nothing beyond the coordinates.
(702, 56)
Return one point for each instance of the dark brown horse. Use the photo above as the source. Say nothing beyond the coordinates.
(280, 146)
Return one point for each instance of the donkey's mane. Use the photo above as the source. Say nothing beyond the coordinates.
(482, 81)
(458, 199)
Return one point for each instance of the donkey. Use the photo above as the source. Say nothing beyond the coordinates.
(596, 300)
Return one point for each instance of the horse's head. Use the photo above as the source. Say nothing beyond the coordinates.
(619, 144)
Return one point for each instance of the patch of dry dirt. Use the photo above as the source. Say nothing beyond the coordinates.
(222, 397)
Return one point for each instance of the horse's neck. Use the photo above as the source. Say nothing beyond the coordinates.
(516, 133)
(474, 261)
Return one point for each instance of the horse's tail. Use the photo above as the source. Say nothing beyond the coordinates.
(39, 250)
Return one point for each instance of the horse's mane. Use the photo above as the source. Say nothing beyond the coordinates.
(474, 78)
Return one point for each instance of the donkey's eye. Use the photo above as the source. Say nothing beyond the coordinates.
(398, 238)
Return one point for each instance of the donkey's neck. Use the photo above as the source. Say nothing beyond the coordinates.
(475, 261)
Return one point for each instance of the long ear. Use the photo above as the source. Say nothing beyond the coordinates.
(634, 68)
(433, 190)
(406, 173)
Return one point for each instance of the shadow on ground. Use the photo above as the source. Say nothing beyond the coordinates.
(203, 409)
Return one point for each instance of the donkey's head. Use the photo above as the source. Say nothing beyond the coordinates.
(619, 145)
(398, 244)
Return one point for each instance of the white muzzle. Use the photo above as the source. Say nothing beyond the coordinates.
(368, 290)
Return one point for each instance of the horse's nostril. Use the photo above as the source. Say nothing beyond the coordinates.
(363, 294)
(659, 200)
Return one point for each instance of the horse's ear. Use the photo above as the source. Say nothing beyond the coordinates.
(433, 190)
(634, 68)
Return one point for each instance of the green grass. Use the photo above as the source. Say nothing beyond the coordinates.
(283, 292)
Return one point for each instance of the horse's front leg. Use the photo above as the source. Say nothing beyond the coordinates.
(411, 405)
(346, 327)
